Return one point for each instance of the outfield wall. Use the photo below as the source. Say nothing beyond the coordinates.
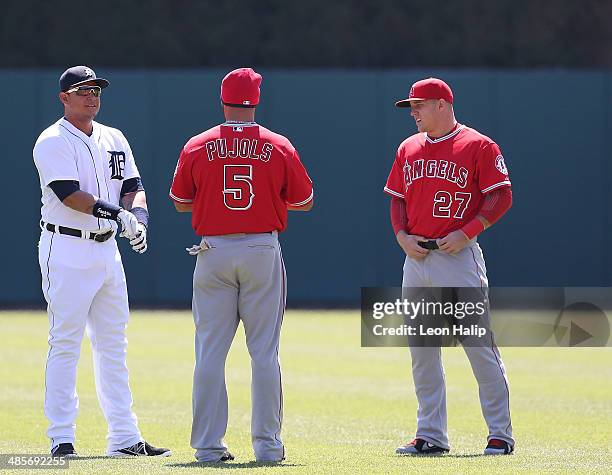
(552, 126)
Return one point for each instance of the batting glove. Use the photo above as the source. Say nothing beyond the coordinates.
(197, 248)
(128, 223)
(139, 242)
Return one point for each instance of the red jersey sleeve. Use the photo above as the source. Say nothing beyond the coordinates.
(183, 186)
(298, 186)
(395, 181)
(491, 168)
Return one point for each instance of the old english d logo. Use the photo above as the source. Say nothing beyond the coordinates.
(117, 164)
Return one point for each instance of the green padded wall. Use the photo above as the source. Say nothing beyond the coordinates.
(346, 129)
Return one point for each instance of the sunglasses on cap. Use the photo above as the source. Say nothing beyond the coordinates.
(86, 90)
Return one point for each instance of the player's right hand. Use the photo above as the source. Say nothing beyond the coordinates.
(128, 223)
(410, 244)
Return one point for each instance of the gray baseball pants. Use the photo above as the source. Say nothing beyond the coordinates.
(464, 269)
(241, 277)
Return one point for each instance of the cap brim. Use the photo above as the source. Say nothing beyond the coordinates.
(406, 102)
(99, 82)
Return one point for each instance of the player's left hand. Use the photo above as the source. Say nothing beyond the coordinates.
(139, 242)
(453, 242)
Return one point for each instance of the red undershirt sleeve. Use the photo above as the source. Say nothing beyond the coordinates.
(494, 206)
(399, 220)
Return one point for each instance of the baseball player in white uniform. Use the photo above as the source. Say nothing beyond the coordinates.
(87, 177)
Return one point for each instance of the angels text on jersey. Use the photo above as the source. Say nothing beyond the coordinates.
(434, 168)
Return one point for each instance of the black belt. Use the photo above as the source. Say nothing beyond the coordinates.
(431, 244)
(98, 237)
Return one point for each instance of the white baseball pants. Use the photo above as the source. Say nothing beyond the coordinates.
(85, 288)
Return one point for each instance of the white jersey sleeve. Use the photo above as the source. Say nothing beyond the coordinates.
(55, 160)
(131, 170)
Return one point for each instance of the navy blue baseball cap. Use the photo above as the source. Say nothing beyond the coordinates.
(78, 75)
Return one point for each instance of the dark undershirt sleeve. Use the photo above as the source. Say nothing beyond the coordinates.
(131, 185)
(64, 188)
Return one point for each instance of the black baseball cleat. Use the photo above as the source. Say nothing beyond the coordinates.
(498, 447)
(420, 447)
(64, 450)
(141, 449)
(225, 457)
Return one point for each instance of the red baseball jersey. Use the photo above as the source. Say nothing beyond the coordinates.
(443, 181)
(240, 178)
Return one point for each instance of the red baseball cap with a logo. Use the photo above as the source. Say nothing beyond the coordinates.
(430, 88)
(240, 88)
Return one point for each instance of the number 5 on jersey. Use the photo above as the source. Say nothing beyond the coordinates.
(238, 186)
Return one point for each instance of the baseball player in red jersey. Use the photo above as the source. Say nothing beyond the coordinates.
(448, 184)
(239, 179)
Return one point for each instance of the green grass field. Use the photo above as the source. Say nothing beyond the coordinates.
(346, 407)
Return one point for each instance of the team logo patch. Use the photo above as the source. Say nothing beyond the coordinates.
(88, 72)
(500, 164)
(407, 178)
(116, 164)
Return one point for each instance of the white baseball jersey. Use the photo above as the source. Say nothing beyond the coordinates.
(100, 163)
